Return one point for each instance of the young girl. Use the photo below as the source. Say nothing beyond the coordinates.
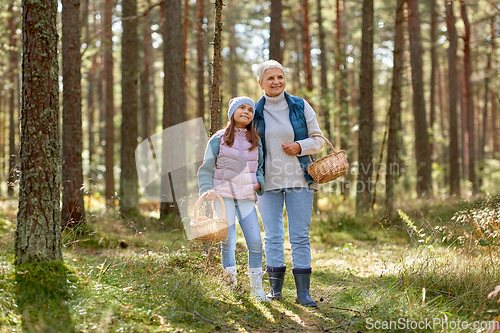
(233, 167)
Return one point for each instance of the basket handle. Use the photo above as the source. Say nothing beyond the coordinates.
(200, 199)
(327, 141)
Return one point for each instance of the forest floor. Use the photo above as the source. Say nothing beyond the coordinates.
(421, 273)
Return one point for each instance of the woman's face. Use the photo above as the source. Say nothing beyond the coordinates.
(273, 82)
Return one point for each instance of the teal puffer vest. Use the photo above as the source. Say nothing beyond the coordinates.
(299, 124)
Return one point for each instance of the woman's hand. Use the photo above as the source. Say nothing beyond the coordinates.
(210, 194)
(292, 148)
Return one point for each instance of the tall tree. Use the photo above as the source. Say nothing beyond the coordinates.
(343, 106)
(424, 166)
(231, 61)
(145, 94)
(275, 31)
(91, 116)
(109, 103)
(129, 190)
(306, 45)
(200, 93)
(452, 98)
(324, 110)
(38, 232)
(12, 97)
(434, 59)
(494, 126)
(395, 109)
(174, 108)
(215, 98)
(72, 169)
(366, 113)
(468, 99)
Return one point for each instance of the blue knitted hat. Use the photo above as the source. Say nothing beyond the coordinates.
(237, 102)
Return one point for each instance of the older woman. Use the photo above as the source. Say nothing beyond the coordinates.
(286, 125)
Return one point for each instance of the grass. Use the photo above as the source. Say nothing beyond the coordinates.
(139, 276)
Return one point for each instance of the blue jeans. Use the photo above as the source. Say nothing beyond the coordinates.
(244, 209)
(299, 202)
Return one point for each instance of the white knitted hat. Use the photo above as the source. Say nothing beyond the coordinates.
(236, 102)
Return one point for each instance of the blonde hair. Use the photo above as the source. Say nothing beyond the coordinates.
(267, 65)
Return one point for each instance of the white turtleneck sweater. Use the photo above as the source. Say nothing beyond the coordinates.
(283, 170)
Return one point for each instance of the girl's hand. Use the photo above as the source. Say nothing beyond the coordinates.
(210, 194)
(257, 187)
(292, 148)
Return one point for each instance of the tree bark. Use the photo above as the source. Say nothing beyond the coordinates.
(343, 106)
(146, 78)
(129, 190)
(91, 118)
(174, 109)
(434, 59)
(324, 105)
(217, 69)
(231, 63)
(109, 103)
(200, 33)
(38, 231)
(366, 112)
(306, 45)
(275, 52)
(452, 99)
(423, 158)
(72, 170)
(468, 99)
(12, 98)
(395, 110)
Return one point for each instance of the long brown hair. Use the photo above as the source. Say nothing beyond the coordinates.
(252, 135)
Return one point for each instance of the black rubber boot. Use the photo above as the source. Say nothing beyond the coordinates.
(302, 282)
(276, 279)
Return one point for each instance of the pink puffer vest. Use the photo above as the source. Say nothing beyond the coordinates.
(236, 167)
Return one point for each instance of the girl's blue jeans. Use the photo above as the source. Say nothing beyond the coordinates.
(298, 202)
(244, 210)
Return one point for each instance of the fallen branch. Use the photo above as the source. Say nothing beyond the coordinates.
(361, 312)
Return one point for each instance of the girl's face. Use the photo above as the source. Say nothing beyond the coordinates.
(243, 115)
(273, 82)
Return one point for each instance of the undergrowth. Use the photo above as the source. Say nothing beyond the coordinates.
(139, 275)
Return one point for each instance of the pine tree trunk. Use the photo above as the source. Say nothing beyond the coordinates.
(469, 100)
(146, 78)
(452, 99)
(366, 112)
(395, 110)
(275, 31)
(174, 107)
(231, 63)
(200, 55)
(129, 191)
(306, 45)
(217, 69)
(72, 136)
(109, 104)
(12, 98)
(91, 118)
(341, 68)
(324, 111)
(38, 231)
(434, 59)
(423, 158)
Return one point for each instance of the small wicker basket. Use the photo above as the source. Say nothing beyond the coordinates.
(209, 229)
(329, 167)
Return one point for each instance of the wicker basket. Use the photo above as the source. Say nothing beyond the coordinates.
(209, 229)
(329, 167)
